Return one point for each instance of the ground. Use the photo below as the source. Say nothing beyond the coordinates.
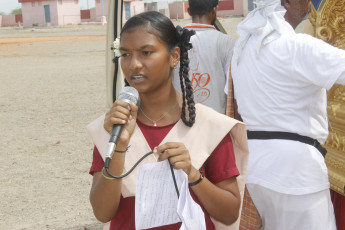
(52, 86)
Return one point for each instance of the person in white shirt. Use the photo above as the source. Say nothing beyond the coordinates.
(280, 82)
(210, 56)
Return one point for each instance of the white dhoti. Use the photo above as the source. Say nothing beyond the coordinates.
(280, 211)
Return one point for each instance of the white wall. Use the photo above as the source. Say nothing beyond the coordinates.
(8, 20)
(33, 13)
(98, 8)
(68, 12)
(137, 7)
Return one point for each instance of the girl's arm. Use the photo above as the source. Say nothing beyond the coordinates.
(105, 194)
(222, 200)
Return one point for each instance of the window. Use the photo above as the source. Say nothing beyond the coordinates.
(40, 3)
(33, 4)
(127, 10)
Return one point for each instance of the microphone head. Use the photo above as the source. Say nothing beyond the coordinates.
(129, 94)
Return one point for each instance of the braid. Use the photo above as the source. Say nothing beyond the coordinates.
(186, 85)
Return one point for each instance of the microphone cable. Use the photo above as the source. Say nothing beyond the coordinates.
(107, 162)
(174, 178)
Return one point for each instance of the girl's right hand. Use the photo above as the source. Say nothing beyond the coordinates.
(122, 113)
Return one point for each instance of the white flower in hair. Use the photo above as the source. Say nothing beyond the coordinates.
(116, 47)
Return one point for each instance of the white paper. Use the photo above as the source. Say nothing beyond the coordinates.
(156, 201)
(190, 213)
(156, 198)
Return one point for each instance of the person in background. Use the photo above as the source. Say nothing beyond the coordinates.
(280, 82)
(210, 57)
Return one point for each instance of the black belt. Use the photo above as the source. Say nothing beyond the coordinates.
(265, 135)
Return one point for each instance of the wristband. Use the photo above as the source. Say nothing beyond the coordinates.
(111, 178)
(197, 181)
(122, 151)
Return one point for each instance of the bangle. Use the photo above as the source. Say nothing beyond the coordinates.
(197, 181)
(122, 151)
(111, 178)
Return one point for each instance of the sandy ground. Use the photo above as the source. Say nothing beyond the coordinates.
(52, 84)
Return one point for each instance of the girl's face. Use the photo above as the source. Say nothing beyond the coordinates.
(145, 60)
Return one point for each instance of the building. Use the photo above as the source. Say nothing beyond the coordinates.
(178, 9)
(130, 8)
(11, 20)
(162, 6)
(50, 12)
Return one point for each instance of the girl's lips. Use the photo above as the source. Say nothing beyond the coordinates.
(137, 78)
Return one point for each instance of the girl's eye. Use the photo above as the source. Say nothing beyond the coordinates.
(147, 53)
(123, 55)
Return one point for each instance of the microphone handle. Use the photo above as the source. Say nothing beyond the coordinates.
(114, 138)
(115, 133)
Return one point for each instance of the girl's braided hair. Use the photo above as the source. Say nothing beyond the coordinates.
(186, 86)
(162, 27)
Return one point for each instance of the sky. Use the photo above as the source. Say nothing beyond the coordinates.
(6, 6)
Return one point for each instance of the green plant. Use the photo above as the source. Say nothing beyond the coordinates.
(17, 11)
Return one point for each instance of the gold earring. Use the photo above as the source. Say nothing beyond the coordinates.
(175, 66)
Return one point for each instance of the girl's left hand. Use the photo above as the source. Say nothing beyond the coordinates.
(179, 157)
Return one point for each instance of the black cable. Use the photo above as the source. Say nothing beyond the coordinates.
(107, 161)
(174, 178)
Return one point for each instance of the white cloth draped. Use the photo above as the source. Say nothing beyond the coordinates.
(266, 21)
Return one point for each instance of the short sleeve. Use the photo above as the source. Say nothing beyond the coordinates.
(97, 162)
(221, 164)
(317, 62)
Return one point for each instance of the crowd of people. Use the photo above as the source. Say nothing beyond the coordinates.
(277, 80)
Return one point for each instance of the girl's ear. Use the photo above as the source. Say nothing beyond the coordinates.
(174, 56)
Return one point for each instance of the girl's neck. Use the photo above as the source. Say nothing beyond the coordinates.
(164, 107)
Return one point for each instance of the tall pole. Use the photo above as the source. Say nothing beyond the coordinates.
(102, 8)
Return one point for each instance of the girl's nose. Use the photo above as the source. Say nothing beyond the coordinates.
(135, 63)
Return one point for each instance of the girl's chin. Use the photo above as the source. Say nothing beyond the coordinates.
(139, 87)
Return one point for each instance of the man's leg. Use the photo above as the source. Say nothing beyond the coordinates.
(293, 212)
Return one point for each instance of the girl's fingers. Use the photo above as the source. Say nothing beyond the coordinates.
(120, 113)
(120, 109)
(168, 153)
(169, 145)
(180, 161)
(180, 165)
(118, 121)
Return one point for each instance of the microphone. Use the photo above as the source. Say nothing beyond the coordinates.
(127, 94)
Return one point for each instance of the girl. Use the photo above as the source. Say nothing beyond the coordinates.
(150, 49)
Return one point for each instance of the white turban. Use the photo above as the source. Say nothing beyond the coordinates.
(266, 21)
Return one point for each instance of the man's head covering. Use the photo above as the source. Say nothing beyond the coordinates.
(266, 21)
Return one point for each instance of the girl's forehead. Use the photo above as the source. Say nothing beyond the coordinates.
(139, 35)
(144, 30)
